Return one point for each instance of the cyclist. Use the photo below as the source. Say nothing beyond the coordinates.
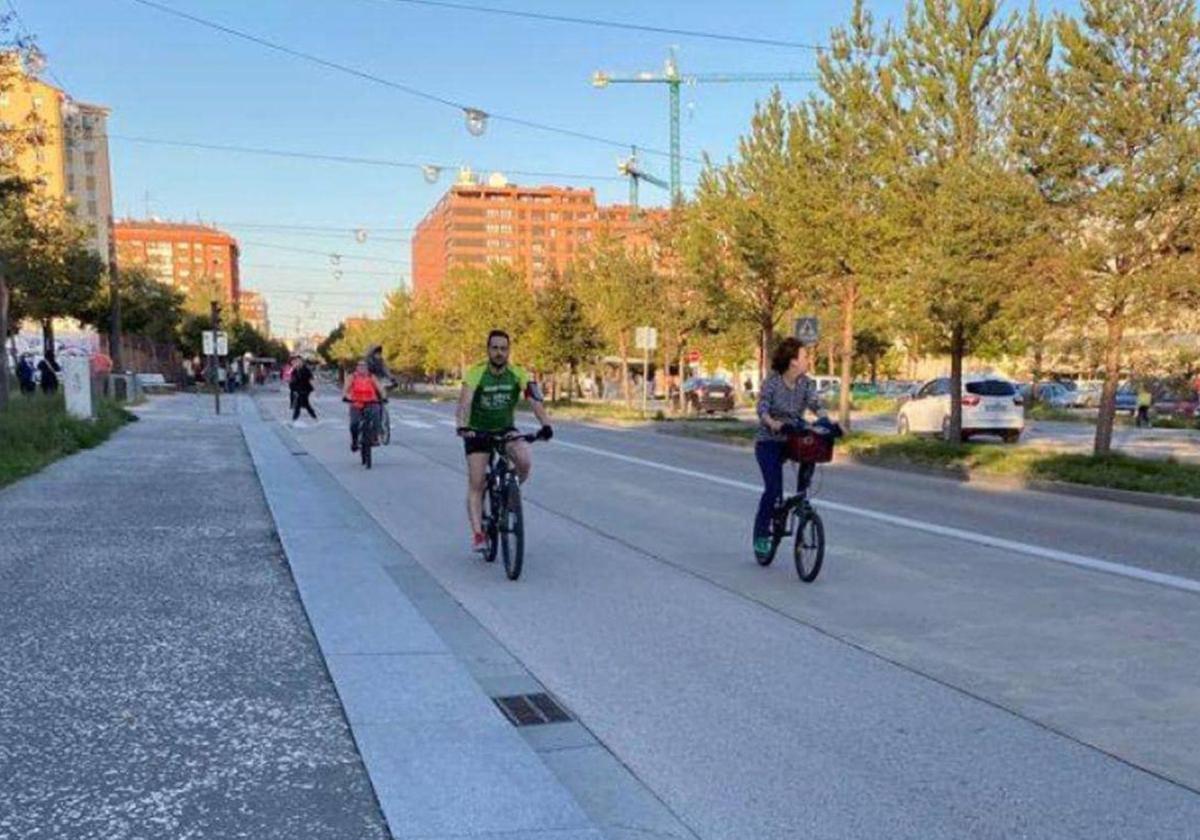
(785, 396)
(376, 364)
(365, 396)
(487, 404)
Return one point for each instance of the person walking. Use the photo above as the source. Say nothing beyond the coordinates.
(49, 370)
(25, 375)
(1144, 400)
(302, 388)
(285, 376)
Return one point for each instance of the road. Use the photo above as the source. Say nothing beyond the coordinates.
(971, 663)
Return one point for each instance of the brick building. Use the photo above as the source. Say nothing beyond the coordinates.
(192, 258)
(252, 307)
(535, 229)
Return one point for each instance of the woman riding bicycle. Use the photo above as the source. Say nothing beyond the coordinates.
(365, 396)
(784, 398)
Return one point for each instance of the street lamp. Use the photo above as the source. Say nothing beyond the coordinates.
(360, 236)
(476, 120)
(431, 173)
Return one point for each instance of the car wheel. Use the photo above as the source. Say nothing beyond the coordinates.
(1012, 437)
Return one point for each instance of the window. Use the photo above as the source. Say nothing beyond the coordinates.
(89, 159)
(92, 209)
(71, 183)
(91, 183)
(992, 388)
(927, 390)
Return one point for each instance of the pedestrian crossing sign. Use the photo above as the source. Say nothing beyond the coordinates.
(807, 330)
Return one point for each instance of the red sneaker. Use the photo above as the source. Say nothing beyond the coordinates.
(479, 542)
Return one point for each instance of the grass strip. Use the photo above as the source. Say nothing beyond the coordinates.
(36, 431)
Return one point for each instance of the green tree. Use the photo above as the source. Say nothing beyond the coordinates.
(741, 225)
(399, 334)
(149, 308)
(562, 337)
(325, 348)
(616, 284)
(845, 152)
(1108, 129)
(969, 215)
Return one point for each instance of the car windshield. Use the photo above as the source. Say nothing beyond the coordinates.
(991, 388)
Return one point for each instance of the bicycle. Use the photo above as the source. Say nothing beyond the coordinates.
(503, 516)
(368, 437)
(795, 515)
(385, 424)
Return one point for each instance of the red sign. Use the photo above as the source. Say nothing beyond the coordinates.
(693, 357)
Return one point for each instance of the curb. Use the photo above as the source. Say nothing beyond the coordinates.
(1179, 504)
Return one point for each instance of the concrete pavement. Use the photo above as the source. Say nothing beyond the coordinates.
(926, 686)
(443, 760)
(158, 677)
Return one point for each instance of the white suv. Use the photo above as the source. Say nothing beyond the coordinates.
(991, 406)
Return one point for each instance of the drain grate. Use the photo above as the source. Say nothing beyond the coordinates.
(532, 709)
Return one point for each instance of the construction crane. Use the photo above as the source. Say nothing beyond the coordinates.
(674, 80)
(633, 170)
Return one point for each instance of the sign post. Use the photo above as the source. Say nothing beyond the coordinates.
(808, 330)
(646, 339)
(215, 343)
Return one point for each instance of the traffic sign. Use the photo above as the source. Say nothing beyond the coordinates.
(222, 348)
(808, 330)
(646, 338)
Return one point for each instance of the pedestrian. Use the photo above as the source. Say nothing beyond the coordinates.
(189, 376)
(25, 375)
(285, 376)
(49, 370)
(1144, 400)
(302, 387)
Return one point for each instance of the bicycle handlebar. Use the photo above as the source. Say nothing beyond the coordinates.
(501, 437)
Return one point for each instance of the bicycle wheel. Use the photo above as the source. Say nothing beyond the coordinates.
(385, 426)
(364, 446)
(489, 525)
(810, 544)
(512, 531)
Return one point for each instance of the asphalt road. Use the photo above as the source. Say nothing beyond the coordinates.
(971, 663)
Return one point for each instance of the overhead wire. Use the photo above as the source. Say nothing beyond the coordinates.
(338, 255)
(400, 86)
(614, 24)
(349, 159)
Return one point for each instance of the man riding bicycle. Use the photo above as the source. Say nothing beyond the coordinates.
(365, 395)
(784, 398)
(377, 365)
(487, 407)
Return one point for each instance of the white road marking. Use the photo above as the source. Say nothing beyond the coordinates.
(414, 424)
(1079, 560)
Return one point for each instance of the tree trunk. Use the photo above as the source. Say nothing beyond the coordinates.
(874, 370)
(682, 377)
(623, 349)
(1039, 350)
(4, 343)
(764, 350)
(957, 349)
(1108, 398)
(48, 337)
(847, 355)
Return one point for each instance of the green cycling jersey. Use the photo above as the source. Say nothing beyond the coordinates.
(494, 405)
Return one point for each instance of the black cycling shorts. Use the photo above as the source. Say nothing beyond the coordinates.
(480, 445)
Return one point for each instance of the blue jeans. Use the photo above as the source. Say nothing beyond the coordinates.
(770, 455)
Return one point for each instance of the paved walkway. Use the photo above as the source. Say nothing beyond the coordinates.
(158, 676)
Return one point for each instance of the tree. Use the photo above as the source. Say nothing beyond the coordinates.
(845, 152)
(1108, 129)
(968, 213)
(616, 285)
(479, 300)
(149, 308)
(325, 348)
(740, 226)
(562, 336)
(399, 335)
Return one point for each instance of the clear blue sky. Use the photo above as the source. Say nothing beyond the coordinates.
(171, 79)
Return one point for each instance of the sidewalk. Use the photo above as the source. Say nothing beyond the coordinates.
(158, 676)
(444, 761)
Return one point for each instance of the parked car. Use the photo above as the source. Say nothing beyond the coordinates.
(991, 406)
(708, 395)
(826, 384)
(1127, 401)
(1055, 395)
(1182, 404)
